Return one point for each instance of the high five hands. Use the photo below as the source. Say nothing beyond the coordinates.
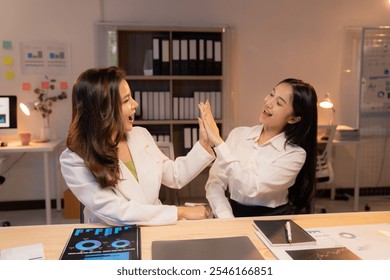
(209, 123)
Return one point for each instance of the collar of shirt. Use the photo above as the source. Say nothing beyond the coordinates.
(277, 141)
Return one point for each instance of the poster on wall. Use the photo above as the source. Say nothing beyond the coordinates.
(48, 58)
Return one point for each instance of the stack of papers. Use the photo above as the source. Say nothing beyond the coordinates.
(346, 133)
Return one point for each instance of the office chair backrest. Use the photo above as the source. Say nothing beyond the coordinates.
(171, 195)
(325, 137)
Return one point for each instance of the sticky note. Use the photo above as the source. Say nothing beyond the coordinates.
(45, 85)
(63, 85)
(7, 60)
(7, 45)
(26, 86)
(9, 75)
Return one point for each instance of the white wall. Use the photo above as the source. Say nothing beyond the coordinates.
(68, 21)
(271, 40)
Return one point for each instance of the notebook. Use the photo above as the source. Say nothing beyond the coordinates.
(226, 248)
(274, 233)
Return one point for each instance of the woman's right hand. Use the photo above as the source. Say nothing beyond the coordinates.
(209, 123)
(197, 212)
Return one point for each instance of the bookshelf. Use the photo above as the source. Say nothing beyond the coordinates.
(189, 64)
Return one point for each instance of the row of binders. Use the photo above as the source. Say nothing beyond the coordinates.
(191, 136)
(189, 56)
(155, 105)
(161, 137)
(186, 108)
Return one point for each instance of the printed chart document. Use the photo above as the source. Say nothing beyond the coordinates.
(28, 252)
(226, 248)
(367, 242)
(106, 243)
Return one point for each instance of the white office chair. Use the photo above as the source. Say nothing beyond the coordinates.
(171, 195)
(324, 168)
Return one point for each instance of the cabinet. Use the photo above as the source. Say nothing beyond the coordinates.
(169, 70)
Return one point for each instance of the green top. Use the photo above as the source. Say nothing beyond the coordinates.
(130, 165)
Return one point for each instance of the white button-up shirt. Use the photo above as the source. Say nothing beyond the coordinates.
(255, 174)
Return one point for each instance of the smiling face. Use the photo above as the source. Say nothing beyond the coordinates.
(277, 108)
(129, 106)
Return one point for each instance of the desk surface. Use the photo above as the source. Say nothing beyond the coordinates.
(17, 147)
(54, 237)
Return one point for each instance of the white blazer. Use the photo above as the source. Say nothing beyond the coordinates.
(132, 202)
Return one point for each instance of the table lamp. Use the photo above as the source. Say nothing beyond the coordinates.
(328, 104)
(26, 110)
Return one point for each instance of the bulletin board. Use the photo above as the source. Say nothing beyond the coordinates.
(375, 71)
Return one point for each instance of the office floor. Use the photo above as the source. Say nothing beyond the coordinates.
(37, 217)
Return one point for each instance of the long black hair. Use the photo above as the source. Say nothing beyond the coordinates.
(303, 134)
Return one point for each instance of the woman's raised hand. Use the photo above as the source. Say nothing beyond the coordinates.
(209, 123)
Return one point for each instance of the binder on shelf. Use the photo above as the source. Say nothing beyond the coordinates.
(193, 57)
(209, 61)
(165, 57)
(167, 105)
(195, 136)
(176, 57)
(181, 108)
(187, 138)
(161, 102)
(217, 67)
(176, 108)
(196, 102)
(213, 103)
(156, 57)
(187, 108)
(156, 105)
(144, 105)
(150, 105)
(137, 98)
(201, 57)
(191, 108)
(184, 70)
(218, 105)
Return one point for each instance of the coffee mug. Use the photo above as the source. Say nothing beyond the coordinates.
(25, 138)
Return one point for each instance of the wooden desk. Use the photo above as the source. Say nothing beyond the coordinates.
(46, 148)
(54, 237)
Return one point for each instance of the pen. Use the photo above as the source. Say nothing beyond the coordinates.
(288, 230)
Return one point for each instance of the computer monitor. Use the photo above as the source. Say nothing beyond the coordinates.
(8, 115)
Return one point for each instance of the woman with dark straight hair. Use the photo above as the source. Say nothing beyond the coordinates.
(268, 169)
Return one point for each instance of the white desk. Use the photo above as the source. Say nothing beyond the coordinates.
(46, 148)
(356, 192)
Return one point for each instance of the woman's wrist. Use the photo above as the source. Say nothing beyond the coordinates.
(206, 146)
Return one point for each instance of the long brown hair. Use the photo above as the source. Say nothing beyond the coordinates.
(96, 127)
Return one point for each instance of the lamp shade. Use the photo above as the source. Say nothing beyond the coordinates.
(24, 109)
(327, 102)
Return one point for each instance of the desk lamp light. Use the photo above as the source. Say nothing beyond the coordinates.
(328, 104)
(26, 110)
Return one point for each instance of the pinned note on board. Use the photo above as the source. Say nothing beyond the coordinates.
(9, 75)
(26, 86)
(45, 85)
(7, 45)
(63, 85)
(7, 60)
